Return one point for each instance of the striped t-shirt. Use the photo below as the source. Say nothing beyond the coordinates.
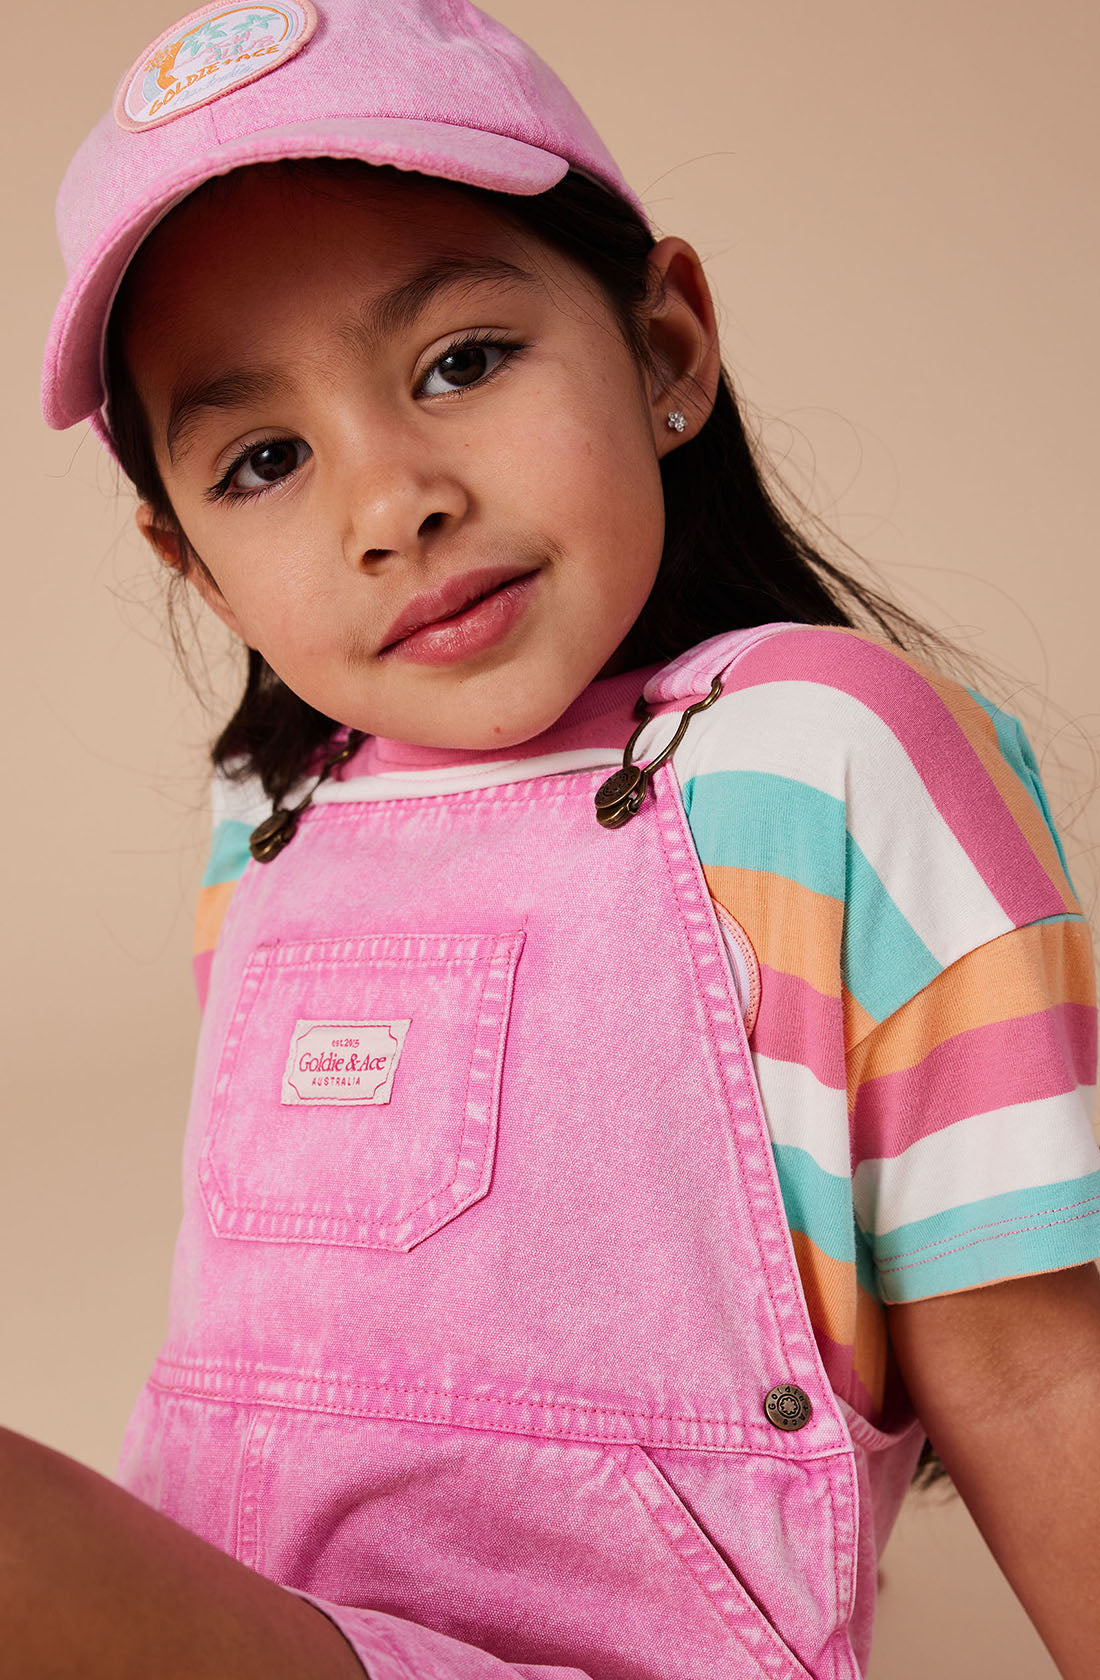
(924, 1030)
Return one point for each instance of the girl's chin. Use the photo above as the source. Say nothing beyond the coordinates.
(480, 711)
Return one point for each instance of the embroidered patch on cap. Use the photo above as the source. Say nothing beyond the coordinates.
(343, 1061)
(208, 53)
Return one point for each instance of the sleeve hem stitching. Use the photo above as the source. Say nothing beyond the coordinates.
(938, 1251)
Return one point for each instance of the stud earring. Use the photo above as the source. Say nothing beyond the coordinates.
(675, 420)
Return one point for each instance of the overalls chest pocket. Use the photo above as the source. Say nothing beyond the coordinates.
(356, 1096)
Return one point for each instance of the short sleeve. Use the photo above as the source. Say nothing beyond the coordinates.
(973, 1155)
(972, 1083)
(925, 1044)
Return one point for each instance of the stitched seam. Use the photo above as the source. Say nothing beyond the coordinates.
(961, 1248)
(248, 1510)
(998, 1227)
(733, 1052)
(764, 1447)
(560, 1405)
(850, 1552)
(448, 1187)
(243, 1493)
(532, 791)
(333, 1379)
(380, 962)
(741, 939)
(518, 71)
(253, 976)
(383, 1232)
(767, 1648)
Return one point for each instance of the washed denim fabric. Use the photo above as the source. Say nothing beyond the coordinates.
(471, 1333)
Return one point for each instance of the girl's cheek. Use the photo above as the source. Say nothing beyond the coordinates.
(586, 466)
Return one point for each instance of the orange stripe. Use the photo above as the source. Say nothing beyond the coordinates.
(830, 1289)
(792, 928)
(858, 1022)
(977, 726)
(210, 910)
(1020, 973)
(871, 1351)
(843, 1311)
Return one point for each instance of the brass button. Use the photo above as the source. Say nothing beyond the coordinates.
(621, 795)
(788, 1407)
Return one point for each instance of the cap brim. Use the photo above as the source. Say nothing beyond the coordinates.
(72, 377)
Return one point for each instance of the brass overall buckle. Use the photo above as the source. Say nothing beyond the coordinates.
(622, 794)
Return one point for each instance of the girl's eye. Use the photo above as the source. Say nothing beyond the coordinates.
(464, 364)
(268, 463)
(261, 466)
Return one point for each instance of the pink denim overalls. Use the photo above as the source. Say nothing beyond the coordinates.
(484, 1279)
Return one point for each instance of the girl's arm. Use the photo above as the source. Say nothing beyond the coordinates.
(93, 1582)
(1007, 1382)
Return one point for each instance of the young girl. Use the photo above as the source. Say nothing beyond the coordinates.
(649, 1026)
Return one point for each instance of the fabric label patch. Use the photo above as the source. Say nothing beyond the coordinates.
(209, 53)
(343, 1061)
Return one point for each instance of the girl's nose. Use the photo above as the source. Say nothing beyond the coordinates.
(398, 508)
(432, 522)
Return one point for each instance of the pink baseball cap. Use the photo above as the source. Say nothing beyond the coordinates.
(433, 86)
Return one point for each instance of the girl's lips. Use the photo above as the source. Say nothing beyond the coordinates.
(448, 599)
(470, 630)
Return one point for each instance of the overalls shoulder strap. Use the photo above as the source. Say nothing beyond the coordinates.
(689, 676)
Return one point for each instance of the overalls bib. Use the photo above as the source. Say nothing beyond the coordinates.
(484, 1278)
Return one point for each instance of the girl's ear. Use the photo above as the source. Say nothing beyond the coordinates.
(167, 546)
(164, 543)
(683, 337)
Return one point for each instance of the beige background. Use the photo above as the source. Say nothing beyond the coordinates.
(897, 205)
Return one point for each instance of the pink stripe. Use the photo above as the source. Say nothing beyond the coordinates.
(976, 1072)
(797, 1023)
(839, 1362)
(963, 790)
(201, 969)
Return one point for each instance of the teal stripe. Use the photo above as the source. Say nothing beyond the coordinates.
(884, 961)
(749, 819)
(866, 1275)
(228, 852)
(1044, 1228)
(1019, 755)
(1066, 916)
(817, 1203)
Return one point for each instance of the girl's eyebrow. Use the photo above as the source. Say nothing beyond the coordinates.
(233, 389)
(383, 317)
(396, 310)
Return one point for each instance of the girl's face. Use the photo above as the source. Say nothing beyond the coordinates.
(410, 446)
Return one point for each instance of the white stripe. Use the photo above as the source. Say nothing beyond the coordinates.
(1012, 1148)
(244, 802)
(804, 1114)
(459, 778)
(817, 735)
